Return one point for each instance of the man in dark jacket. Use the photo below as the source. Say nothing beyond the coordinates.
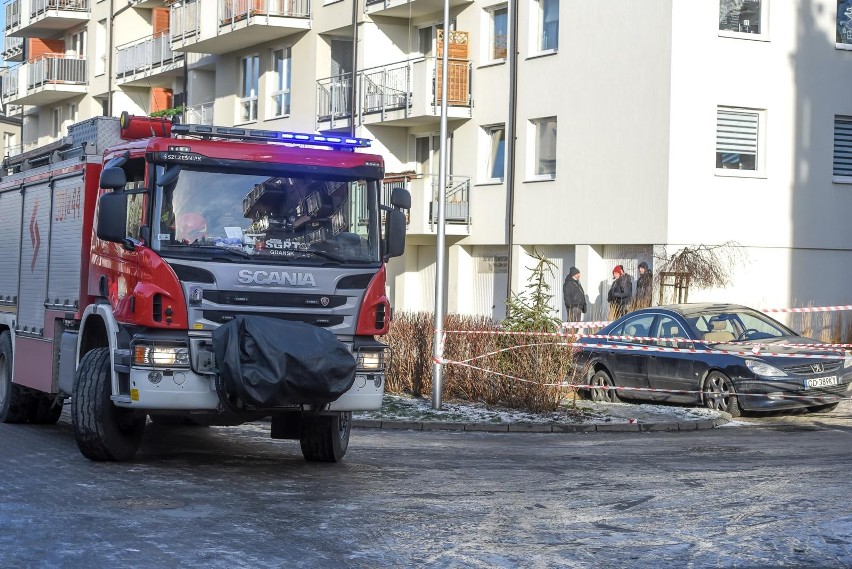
(644, 286)
(620, 292)
(574, 296)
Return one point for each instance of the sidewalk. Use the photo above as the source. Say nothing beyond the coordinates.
(586, 417)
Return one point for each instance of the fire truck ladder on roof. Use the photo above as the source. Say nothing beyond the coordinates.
(254, 135)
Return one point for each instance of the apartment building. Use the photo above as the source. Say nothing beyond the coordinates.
(639, 127)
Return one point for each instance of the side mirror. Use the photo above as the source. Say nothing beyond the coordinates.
(401, 198)
(112, 217)
(113, 179)
(394, 233)
(169, 176)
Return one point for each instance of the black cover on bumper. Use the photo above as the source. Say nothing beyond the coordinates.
(268, 362)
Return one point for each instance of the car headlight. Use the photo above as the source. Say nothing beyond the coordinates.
(161, 355)
(764, 369)
(847, 360)
(371, 360)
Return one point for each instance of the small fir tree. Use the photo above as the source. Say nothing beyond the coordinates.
(530, 310)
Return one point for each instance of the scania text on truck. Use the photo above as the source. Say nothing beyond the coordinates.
(196, 275)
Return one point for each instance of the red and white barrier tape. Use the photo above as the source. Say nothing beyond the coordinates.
(809, 309)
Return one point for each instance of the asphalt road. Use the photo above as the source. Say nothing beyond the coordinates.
(775, 493)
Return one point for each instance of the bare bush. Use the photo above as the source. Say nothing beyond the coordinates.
(514, 371)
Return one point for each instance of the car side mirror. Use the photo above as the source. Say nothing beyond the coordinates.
(401, 198)
(112, 217)
(113, 179)
(394, 233)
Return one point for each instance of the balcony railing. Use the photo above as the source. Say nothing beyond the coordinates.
(12, 47)
(13, 14)
(145, 55)
(395, 87)
(199, 114)
(10, 83)
(457, 205)
(183, 20)
(56, 68)
(13, 150)
(232, 11)
(40, 7)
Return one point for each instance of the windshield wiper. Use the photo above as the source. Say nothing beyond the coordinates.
(222, 250)
(323, 254)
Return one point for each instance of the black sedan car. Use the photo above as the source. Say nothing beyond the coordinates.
(727, 357)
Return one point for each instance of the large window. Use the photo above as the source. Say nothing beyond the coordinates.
(844, 23)
(548, 17)
(544, 161)
(742, 16)
(496, 152)
(842, 171)
(249, 73)
(738, 138)
(281, 82)
(499, 33)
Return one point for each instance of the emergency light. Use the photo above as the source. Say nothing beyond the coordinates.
(205, 131)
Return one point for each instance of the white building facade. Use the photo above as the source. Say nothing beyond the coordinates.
(639, 127)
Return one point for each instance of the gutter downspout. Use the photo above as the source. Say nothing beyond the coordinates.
(110, 50)
(353, 96)
(511, 136)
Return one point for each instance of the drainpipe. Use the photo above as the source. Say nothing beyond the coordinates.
(110, 50)
(511, 127)
(353, 96)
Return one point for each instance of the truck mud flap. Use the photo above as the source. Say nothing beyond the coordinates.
(266, 362)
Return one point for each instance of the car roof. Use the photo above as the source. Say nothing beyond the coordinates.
(696, 308)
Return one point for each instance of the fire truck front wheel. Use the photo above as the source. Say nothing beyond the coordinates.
(103, 431)
(325, 438)
(14, 399)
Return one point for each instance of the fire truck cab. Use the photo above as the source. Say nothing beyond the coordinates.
(195, 275)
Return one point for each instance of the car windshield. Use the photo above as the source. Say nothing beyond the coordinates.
(736, 325)
(269, 219)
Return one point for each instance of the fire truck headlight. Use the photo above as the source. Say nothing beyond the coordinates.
(157, 355)
(371, 360)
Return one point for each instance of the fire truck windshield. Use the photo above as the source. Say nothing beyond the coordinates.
(270, 219)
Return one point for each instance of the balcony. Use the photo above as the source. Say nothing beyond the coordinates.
(149, 62)
(423, 216)
(398, 94)
(45, 80)
(13, 49)
(409, 8)
(200, 26)
(199, 114)
(42, 18)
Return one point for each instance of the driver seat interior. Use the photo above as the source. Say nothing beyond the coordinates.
(717, 332)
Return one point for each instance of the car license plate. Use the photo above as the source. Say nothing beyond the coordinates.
(821, 381)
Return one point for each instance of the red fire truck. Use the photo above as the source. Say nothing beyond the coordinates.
(196, 275)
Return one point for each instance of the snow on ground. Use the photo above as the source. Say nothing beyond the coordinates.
(402, 408)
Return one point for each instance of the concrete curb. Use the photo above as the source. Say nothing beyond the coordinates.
(638, 426)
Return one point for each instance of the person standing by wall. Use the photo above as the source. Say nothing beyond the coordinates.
(644, 286)
(620, 292)
(574, 296)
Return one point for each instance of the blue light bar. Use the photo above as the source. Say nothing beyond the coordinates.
(254, 135)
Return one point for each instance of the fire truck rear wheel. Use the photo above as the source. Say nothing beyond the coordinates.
(103, 431)
(43, 411)
(325, 438)
(14, 399)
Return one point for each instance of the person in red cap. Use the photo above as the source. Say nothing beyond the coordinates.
(620, 292)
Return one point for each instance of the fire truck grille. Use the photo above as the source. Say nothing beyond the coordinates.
(319, 320)
(233, 298)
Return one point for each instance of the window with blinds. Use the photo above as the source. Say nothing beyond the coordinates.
(842, 147)
(737, 138)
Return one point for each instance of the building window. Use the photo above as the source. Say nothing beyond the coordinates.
(496, 152)
(548, 17)
(544, 160)
(742, 16)
(844, 23)
(57, 121)
(499, 33)
(842, 149)
(100, 47)
(738, 139)
(249, 76)
(281, 82)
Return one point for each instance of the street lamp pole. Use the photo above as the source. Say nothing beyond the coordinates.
(441, 260)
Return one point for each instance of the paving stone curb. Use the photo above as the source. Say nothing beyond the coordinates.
(639, 426)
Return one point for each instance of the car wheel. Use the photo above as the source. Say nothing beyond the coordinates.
(603, 392)
(824, 408)
(719, 394)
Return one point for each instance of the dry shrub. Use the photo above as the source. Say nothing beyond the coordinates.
(539, 360)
